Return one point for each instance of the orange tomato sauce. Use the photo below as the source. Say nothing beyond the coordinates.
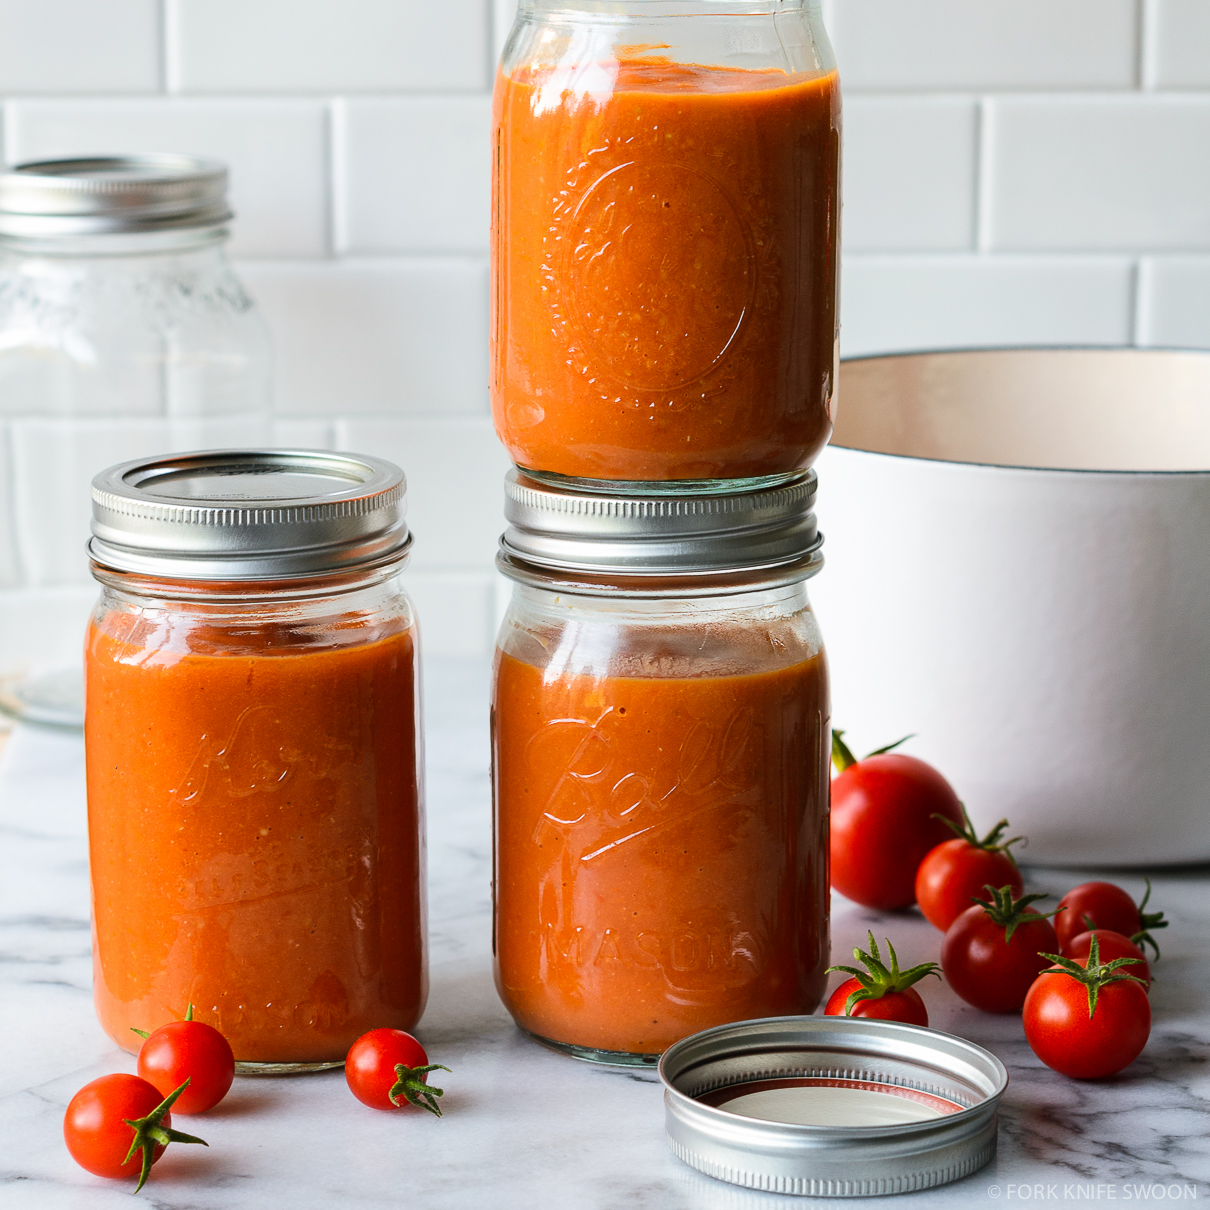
(254, 831)
(661, 851)
(665, 269)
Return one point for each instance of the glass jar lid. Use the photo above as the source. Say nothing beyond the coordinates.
(104, 195)
(248, 514)
(572, 530)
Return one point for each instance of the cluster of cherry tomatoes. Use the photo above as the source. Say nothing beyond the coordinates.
(1078, 974)
(119, 1125)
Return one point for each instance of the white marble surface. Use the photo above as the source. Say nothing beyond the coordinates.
(524, 1127)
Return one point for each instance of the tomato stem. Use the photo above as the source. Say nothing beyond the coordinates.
(993, 842)
(842, 754)
(1147, 922)
(876, 980)
(1094, 974)
(410, 1084)
(889, 747)
(842, 757)
(1009, 912)
(149, 1134)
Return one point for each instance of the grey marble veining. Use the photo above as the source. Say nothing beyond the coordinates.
(525, 1127)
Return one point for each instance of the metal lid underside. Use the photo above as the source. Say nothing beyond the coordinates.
(248, 514)
(862, 1151)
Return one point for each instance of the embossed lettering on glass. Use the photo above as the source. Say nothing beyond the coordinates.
(665, 239)
(660, 740)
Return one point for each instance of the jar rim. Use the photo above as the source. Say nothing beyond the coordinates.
(726, 582)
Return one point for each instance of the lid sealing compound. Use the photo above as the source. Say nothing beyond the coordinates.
(248, 514)
(831, 1106)
(767, 534)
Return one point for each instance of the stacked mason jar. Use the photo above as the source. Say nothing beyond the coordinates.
(666, 200)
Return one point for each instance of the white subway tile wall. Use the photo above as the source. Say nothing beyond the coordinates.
(1016, 171)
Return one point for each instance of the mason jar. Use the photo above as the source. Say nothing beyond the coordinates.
(253, 753)
(124, 331)
(660, 741)
(665, 233)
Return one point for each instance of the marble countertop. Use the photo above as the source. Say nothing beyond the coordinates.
(525, 1127)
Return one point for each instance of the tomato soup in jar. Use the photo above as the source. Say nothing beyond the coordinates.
(254, 795)
(660, 744)
(665, 240)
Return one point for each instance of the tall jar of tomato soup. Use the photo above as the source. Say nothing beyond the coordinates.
(660, 732)
(665, 226)
(253, 753)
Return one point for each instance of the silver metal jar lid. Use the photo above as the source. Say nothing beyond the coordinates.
(571, 530)
(912, 1108)
(108, 195)
(248, 514)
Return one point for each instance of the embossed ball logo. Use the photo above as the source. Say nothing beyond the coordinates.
(661, 273)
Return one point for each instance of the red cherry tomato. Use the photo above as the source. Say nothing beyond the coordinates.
(991, 955)
(188, 1050)
(876, 990)
(1106, 905)
(883, 825)
(97, 1132)
(905, 1006)
(1112, 945)
(95, 1129)
(957, 870)
(387, 1069)
(1087, 1020)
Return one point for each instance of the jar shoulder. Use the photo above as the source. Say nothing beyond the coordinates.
(125, 629)
(678, 643)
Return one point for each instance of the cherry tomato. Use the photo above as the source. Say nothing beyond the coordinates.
(1108, 907)
(1112, 945)
(97, 1132)
(188, 1050)
(878, 991)
(957, 870)
(883, 825)
(990, 954)
(905, 1006)
(387, 1069)
(1089, 1019)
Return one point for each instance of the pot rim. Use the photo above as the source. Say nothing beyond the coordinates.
(1082, 472)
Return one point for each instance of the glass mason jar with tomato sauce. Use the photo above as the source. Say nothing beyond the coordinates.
(660, 735)
(253, 753)
(664, 234)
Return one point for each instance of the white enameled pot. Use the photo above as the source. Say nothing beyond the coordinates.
(1018, 571)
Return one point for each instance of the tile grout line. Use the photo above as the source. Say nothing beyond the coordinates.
(1146, 21)
(334, 174)
(1140, 298)
(984, 132)
(170, 73)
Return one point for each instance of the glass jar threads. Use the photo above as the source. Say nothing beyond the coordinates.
(660, 733)
(665, 230)
(253, 753)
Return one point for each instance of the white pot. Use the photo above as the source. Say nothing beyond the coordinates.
(1018, 571)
